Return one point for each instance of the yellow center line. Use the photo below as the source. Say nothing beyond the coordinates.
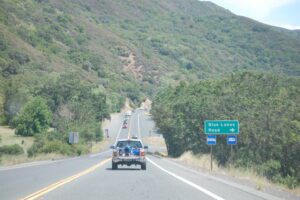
(62, 182)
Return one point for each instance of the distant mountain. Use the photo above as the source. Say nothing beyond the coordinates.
(133, 46)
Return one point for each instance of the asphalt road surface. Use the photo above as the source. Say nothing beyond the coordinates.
(91, 177)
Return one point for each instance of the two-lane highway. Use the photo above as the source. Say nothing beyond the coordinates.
(91, 177)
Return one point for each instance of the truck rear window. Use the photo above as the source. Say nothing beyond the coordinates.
(133, 144)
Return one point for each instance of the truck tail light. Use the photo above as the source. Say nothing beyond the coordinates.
(142, 153)
(115, 153)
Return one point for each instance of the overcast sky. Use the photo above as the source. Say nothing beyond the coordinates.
(283, 13)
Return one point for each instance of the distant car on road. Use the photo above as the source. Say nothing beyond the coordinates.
(128, 113)
(129, 152)
(125, 125)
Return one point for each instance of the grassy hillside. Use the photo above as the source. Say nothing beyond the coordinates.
(83, 58)
(170, 40)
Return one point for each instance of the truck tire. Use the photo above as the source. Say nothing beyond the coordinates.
(114, 166)
(143, 166)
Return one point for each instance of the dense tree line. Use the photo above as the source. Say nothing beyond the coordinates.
(63, 103)
(267, 107)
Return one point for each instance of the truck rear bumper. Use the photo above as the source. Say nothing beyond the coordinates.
(129, 160)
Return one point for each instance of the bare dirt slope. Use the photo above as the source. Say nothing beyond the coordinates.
(130, 65)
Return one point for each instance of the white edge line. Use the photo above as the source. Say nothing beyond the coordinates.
(187, 182)
(230, 183)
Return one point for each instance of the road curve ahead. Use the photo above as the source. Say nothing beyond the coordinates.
(91, 176)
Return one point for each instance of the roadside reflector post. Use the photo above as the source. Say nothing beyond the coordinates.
(106, 131)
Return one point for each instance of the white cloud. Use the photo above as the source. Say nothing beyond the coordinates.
(256, 9)
(289, 26)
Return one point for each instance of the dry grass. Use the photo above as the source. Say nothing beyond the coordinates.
(155, 141)
(7, 160)
(8, 138)
(202, 162)
(198, 162)
(156, 144)
(100, 146)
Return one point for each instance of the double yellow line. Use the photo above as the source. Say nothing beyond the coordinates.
(62, 182)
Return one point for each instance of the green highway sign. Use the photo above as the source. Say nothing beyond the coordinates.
(221, 127)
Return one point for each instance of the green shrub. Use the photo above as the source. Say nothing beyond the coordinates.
(34, 118)
(122, 51)
(32, 151)
(80, 149)
(21, 58)
(271, 169)
(56, 147)
(38, 144)
(81, 39)
(12, 68)
(14, 149)
(29, 36)
(87, 66)
(290, 181)
(3, 42)
(45, 35)
(43, 145)
(56, 142)
(98, 134)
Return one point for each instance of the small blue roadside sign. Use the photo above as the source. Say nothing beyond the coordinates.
(211, 139)
(231, 139)
(220, 127)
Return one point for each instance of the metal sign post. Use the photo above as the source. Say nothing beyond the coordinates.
(231, 140)
(231, 152)
(211, 140)
(212, 128)
(211, 163)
